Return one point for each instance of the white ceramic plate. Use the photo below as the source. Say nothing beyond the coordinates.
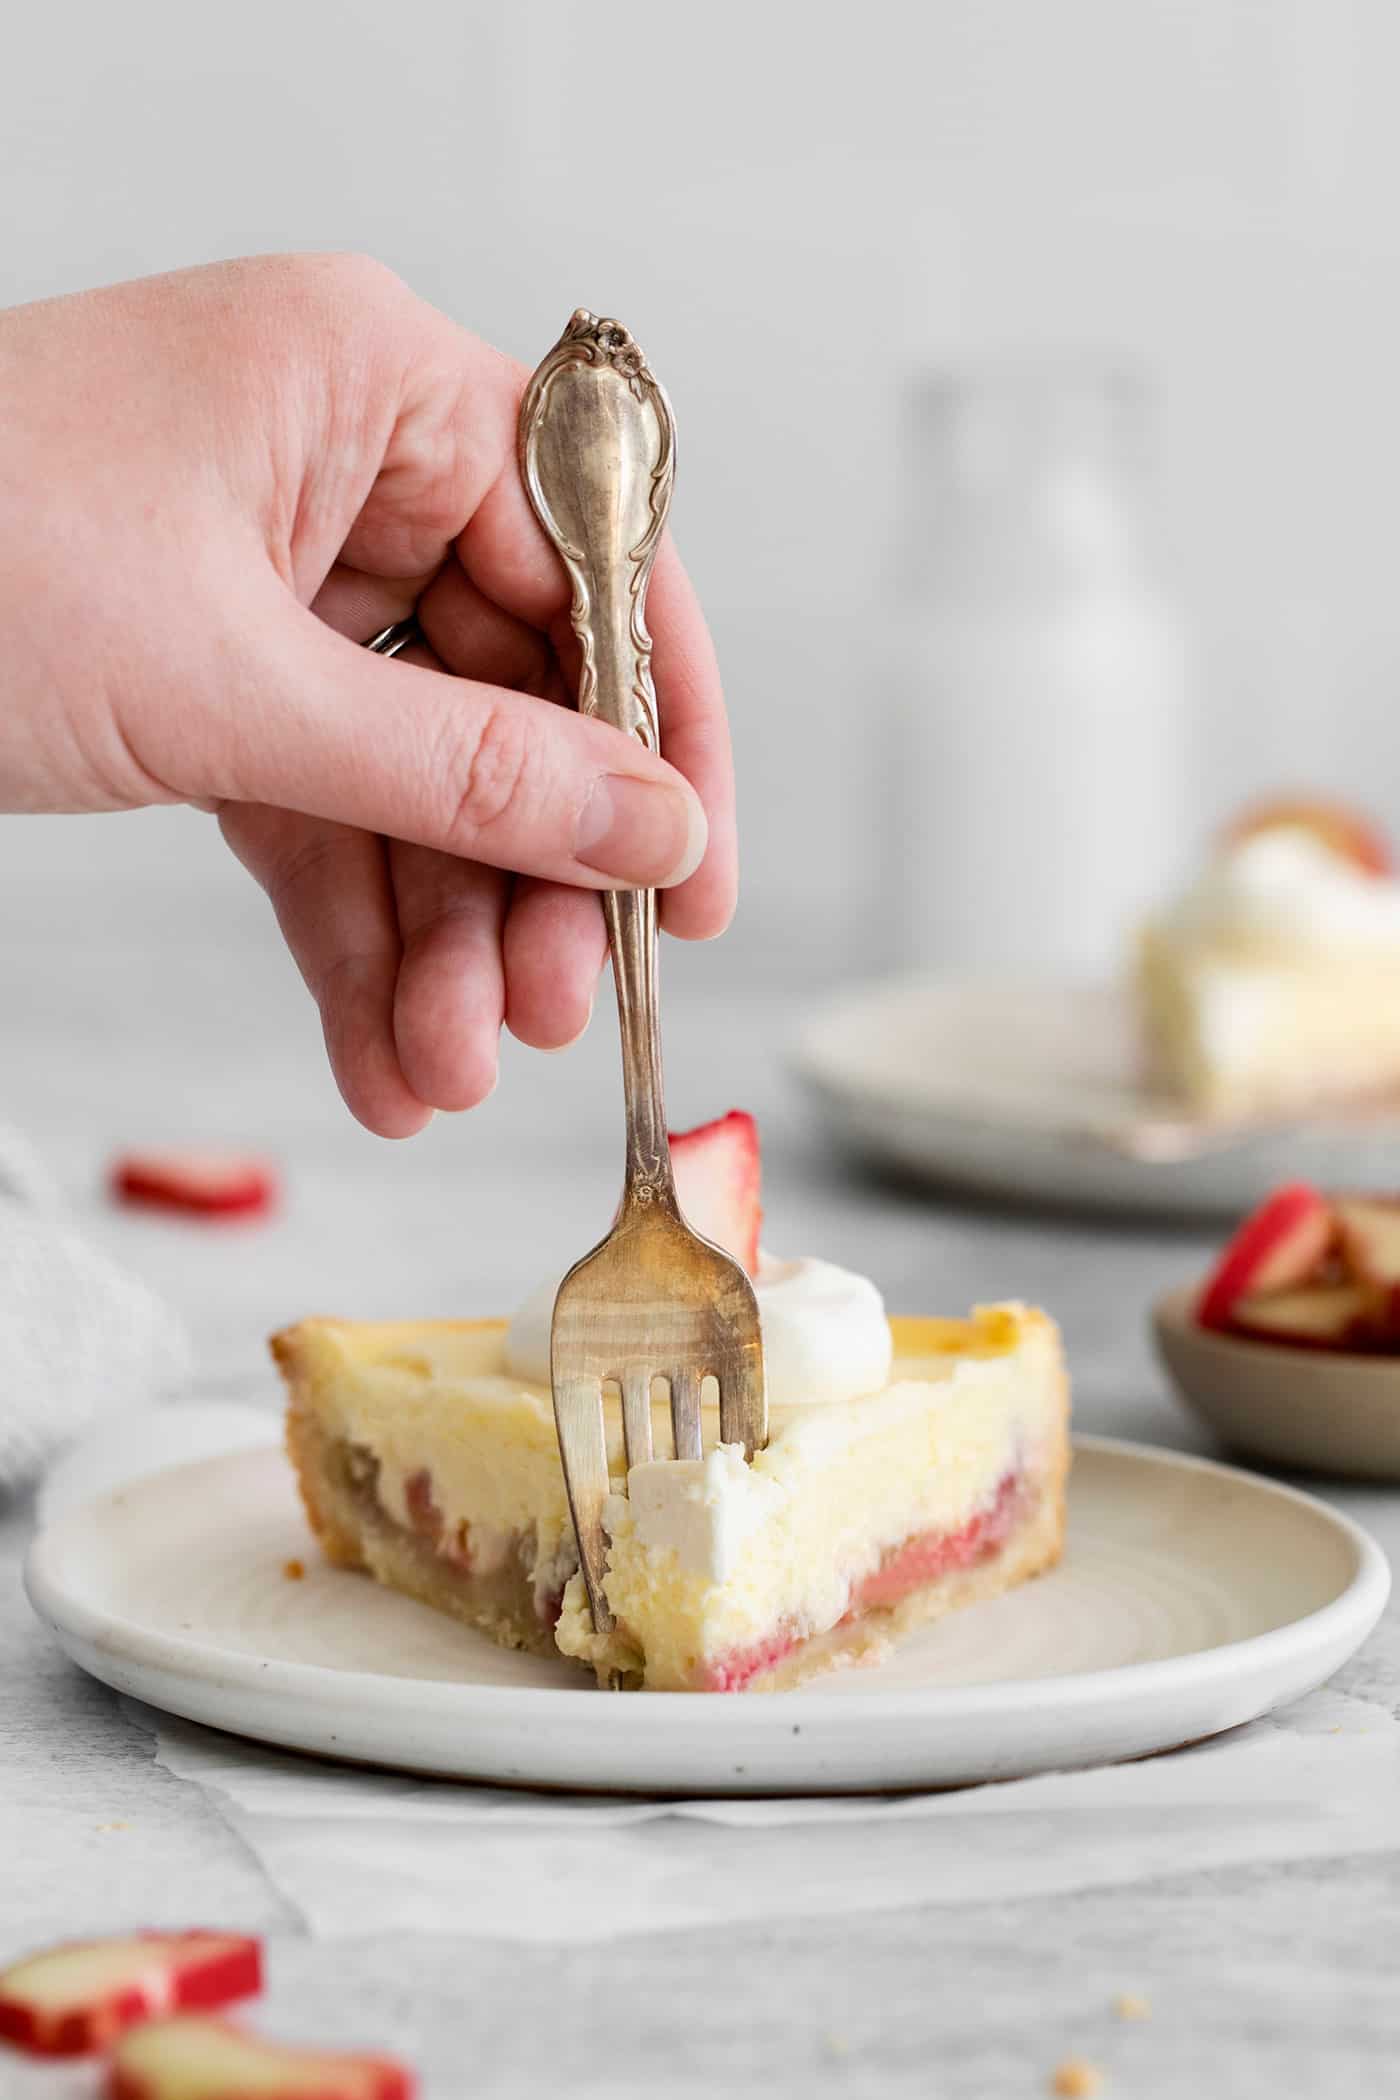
(1030, 1089)
(1192, 1597)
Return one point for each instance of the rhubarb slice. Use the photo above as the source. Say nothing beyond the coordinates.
(210, 1184)
(76, 1998)
(212, 2060)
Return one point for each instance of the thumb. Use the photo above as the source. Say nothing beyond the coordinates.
(324, 727)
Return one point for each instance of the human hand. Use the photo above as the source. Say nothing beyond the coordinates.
(217, 485)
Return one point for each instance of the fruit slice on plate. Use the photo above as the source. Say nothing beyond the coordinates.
(189, 2059)
(1279, 1247)
(1346, 832)
(212, 1184)
(1329, 1316)
(77, 1998)
(718, 1180)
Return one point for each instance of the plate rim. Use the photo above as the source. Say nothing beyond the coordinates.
(1358, 1604)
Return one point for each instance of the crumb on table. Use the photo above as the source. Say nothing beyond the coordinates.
(1131, 2005)
(120, 1824)
(1077, 2079)
(294, 1570)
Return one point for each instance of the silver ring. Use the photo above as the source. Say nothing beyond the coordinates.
(392, 639)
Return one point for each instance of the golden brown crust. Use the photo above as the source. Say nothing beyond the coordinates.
(306, 1447)
(355, 1533)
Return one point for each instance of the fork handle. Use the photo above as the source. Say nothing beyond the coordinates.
(597, 454)
(631, 921)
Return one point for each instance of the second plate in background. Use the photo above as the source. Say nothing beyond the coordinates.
(1028, 1089)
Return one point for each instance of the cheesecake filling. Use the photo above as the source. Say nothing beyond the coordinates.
(718, 1558)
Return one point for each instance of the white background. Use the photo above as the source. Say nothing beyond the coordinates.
(795, 205)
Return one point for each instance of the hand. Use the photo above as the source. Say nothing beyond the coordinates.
(216, 486)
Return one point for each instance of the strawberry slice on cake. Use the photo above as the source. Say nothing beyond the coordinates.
(912, 1466)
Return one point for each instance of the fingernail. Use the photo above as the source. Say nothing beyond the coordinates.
(650, 835)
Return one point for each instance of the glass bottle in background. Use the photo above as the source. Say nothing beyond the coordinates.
(1041, 733)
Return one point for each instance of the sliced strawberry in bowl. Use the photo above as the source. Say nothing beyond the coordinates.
(1369, 1233)
(1326, 1316)
(1281, 1246)
(70, 2000)
(191, 2059)
(719, 1182)
(209, 1184)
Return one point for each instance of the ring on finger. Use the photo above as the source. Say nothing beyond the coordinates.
(391, 640)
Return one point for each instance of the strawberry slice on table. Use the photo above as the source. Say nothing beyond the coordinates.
(719, 1182)
(1343, 830)
(1279, 1247)
(212, 2060)
(71, 1999)
(211, 1184)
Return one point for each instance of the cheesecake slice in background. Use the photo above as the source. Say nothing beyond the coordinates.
(1272, 985)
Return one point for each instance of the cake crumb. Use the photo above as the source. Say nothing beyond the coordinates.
(1131, 2005)
(1077, 2079)
(119, 1825)
(294, 1570)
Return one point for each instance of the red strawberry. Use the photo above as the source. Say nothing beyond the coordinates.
(215, 1184)
(1279, 1246)
(719, 1180)
(212, 2060)
(72, 1999)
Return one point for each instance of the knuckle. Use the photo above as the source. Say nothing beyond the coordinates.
(490, 770)
(355, 274)
(289, 874)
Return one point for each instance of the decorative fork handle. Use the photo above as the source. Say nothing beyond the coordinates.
(597, 455)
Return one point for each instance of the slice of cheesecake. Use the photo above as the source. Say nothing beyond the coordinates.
(423, 1460)
(1272, 986)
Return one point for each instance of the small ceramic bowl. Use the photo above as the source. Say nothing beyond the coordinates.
(1324, 1410)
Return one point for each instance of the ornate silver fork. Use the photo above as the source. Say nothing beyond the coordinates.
(654, 1301)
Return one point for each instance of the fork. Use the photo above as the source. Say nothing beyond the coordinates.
(654, 1301)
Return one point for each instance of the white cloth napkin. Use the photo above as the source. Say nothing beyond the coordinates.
(345, 1847)
(79, 1337)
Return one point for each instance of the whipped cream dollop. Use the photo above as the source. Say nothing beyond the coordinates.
(1285, 885)
(825, 1335)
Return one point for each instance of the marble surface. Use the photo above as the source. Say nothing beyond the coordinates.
(1265, 1976)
